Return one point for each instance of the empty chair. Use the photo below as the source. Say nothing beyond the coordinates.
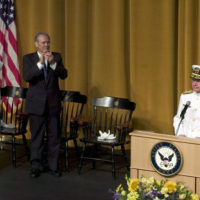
(108, 127)
(13, 119)
(72, 108)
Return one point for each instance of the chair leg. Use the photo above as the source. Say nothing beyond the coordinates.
(82, 158)
(13, 152)
(113, 162)
(125, 157)
(95, 155)
(66, 157)
(26, 147)
(76, 149)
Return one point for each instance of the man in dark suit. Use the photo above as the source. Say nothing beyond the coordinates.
(41, 70)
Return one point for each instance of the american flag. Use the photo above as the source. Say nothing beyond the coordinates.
(10, 75)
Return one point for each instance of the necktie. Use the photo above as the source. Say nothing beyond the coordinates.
(45, 71)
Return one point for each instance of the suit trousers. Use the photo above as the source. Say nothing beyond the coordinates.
(47, 124)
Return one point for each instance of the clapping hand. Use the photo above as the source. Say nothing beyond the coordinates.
(47, 56)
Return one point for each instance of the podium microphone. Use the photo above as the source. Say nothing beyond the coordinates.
(182, 115)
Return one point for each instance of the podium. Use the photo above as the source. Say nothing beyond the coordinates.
(142, 143)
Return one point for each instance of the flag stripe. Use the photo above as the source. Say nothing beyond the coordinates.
(11, 68)
(9, 75)
(6, 80)
(12, 38)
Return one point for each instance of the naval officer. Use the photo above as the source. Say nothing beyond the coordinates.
(187, 120)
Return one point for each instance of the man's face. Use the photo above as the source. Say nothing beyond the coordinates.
(42, 44)
(196, 85)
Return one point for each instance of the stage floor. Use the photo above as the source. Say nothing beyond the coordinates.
(90, 185)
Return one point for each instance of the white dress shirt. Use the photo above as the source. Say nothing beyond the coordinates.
(190, 126)
(41, 66)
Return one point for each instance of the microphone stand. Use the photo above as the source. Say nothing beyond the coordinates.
(176, 133)
(182, 115)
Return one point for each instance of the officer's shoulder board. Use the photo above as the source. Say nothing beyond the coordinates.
(188, 92)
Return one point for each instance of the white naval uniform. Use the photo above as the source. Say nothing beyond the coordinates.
(190, 126)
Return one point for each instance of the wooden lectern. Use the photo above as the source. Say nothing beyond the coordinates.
(142, 143)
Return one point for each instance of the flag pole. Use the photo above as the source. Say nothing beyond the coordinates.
(1, 65)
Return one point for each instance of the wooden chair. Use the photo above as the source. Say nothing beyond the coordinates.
(110, 114)
(13, 119)
(72, 108)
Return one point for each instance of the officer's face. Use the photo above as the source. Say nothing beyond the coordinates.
(196, 85)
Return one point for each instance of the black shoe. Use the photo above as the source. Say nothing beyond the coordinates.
(55, 173)
(35, 173)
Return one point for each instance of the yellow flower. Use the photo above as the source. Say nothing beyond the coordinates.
(123, 192)
(133, 185)
(194, 196)
(150, 181)
(148, 189)
(158, 182)
(164, 190)
(144, 180)
(118, 188)
(171, 186)
(182, 187)
(182, 196)
(132, 196)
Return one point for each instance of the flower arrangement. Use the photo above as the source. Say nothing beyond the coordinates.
(152, 189)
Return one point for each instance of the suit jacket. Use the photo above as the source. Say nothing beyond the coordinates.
(41, 91)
